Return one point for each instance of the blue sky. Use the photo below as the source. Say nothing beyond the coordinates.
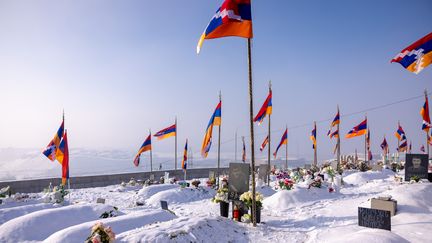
(120, 68)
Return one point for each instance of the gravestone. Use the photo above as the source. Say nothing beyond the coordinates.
(164, 205)
(238, 180)
(166, 178)
(377, 168)
(151, 177)
(374, 218)
(100, 200)
(387, 204)
(416, 165)
(212, 175)
(263, 171)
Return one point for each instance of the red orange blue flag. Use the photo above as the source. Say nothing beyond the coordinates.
(166, 132)
(313, 137)
(146, 146)
(51, 149)
(400, 134)
(336, 120)
(334, 134)
(62, 155)
(358, 130)
(264, 143)
(384, 146)
(284, 140)
(402, 147)
(233, 18)
(266, 109)
(424, 112)
(215, 120)
(184, 161)
(417, 56)
(422, 149)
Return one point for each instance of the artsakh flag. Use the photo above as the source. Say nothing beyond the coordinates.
(62, 155)
(400, 133)
(417, 56)
(266, 109)
(51, 149)
(233, 18)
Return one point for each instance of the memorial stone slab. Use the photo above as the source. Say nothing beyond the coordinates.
(416, 165)
(238, 180)
(374, 218)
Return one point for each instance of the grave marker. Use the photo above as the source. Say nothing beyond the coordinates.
(374, 218)
(238, 180)
(416, 165)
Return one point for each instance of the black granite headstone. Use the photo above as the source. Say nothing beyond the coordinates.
(238, 180)
(374, 218)
(416, 165)
(164, 205)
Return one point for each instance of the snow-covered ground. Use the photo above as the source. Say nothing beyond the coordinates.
(298, 215)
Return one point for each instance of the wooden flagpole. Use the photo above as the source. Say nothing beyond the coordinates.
(269, 142)
(219, 140)
(253, 214)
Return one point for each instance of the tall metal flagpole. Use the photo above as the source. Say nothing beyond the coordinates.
(427, 134)
(235, 147)
(151, 155)
(269, 142)
(219, 139)
(366, 159)
(338, 141)
(253, 214)
(175, 155)
(398, 145)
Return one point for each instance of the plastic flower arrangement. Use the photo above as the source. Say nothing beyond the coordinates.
(282, 175)
(286, 184)
(295, 176)
(211, 182)
(195, 183)
(101, 234)
(246, 198)
(330, 172)
(317, 182)
(221, 195)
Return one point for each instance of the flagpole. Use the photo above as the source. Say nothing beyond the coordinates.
(175, 150)
(151, 154)
(269, 142)
(253, 214)
(235, 147)
(365, 159)
(398, 144)
(338, 141)
(427, 132)
(315, 147)
(219, 140)
(286, 149)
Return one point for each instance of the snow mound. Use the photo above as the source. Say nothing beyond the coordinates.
(181, 195)
(39, 225)
(372, 236)
(79, 233)
(360, 178)
(7, 214)
(189, 229)
(299, 196)
(149, 191)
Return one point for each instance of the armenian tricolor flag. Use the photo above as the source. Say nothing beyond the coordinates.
(358, 130)
(403, 147)
(51, 149)
(166, 133)
(334, 134)
(215, 120)
(62, 156)
(313, 137)
(400, 134)
(284, 140)
(264, 143)
(424, 112)
(266, 109)
(336, 120)
(233, 18)
(422, 148)
(146, 146)
(417, 56)
(384, 146)
(184, 161)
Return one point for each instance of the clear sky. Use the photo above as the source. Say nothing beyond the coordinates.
(120, 68)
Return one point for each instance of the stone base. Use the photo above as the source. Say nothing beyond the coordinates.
(389, 205)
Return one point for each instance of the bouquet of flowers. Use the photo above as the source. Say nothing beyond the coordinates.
(221, 195)
(414, 179)
(101, 234)
(211, 182)
(56, 195)
(295, 176)
(317, 182)
(109, 214)
(330, 172)
(246, 198)
(286, 184)
(195, 183)
(282, 175)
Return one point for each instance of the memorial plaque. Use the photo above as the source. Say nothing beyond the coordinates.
(164, 205)
(416, 165)
(262, 173)
(100, 200)
(238, 180)
(374, 218)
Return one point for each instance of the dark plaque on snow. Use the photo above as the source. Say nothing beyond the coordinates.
(262, 173)
(374, 218)
(416, 165)
(164, 205)
(238, 180)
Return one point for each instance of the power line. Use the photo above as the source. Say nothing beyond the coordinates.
(346, 115)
